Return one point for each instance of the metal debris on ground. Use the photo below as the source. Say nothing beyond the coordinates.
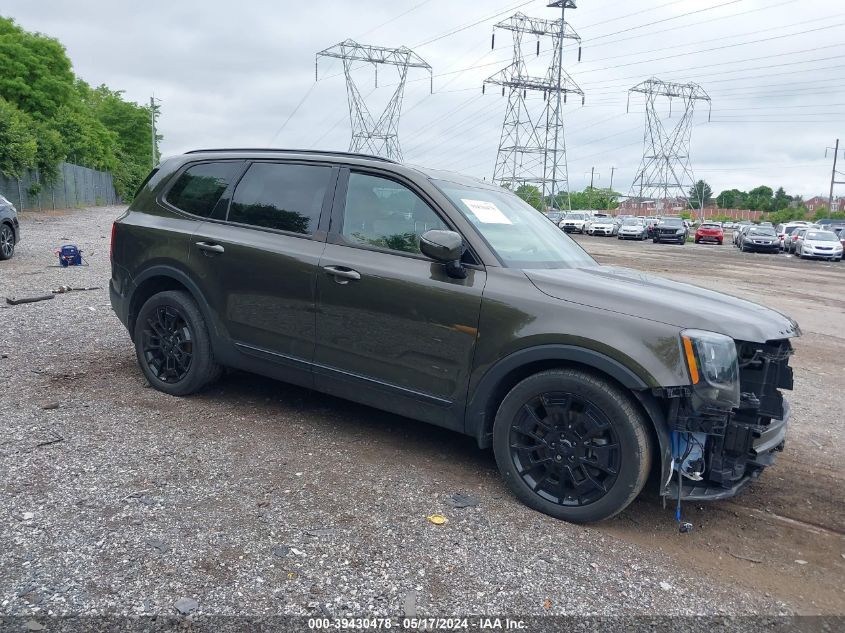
(185, 606)
(13, 301)
(461, 500)
(437, 519)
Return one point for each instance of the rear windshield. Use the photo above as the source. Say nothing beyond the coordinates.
(710, 226)
(762, 230)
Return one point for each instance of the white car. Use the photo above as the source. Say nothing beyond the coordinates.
(602, 226)
(574, 221)
(821, 245)
(632, 229)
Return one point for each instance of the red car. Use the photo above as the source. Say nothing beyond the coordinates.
(709, 233)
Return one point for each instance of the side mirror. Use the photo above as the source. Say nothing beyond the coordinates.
(445, 247)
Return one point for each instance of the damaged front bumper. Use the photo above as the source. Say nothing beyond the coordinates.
(740, 442)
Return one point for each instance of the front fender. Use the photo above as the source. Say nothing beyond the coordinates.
(481, 407)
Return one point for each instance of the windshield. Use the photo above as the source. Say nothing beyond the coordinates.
(762, 230)
(672, 221)
(519, 235)
(574, 216)
(821, 236)
(631, 222)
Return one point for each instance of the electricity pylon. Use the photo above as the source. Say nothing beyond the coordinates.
(665, 172)
(374, 136)
(532, 149)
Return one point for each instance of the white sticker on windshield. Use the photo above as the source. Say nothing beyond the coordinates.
(486, 212)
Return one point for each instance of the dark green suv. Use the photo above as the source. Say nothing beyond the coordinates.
(451, 301)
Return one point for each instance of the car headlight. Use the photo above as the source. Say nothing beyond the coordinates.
(713, 367)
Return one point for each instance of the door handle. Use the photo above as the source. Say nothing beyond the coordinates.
(205, 247)
(341, 274)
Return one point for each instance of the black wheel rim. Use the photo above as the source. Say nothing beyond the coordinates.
(168, 344)
(7, 245)
(565, 449)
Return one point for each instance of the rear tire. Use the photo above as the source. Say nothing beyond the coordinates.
(572, 445)
(7, 242)
(172, 344)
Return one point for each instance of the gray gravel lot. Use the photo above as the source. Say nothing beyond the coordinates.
(261, 498)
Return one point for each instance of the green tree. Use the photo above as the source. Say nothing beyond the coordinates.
(35, 72)
(700, 194)
(781, 200)
(731, 199)
(47, 108)
(531, 195)
(18, 146)
(760, 198)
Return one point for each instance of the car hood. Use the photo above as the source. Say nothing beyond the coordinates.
(638, 294)
(832, 243)
(603, 225)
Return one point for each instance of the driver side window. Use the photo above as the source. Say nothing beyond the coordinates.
(385, 214)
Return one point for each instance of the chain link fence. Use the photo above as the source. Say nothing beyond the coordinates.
(75, 186)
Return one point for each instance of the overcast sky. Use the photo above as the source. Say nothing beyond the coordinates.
(231, 74)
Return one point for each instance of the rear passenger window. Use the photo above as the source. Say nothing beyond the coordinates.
(199, 188)
(281, 196)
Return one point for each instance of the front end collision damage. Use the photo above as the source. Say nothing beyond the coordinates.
(739, 442)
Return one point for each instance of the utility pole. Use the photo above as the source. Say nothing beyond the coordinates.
(833, 175)
(370, 134)
(532, 148)
(592, 190)
(665, 167)
(612, 169)
(153, 129)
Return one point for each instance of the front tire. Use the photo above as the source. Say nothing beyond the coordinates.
(572, 445)
(172, 344)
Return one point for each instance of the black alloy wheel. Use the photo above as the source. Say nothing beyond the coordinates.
(572, 444)
(7, 242)
(173, 345)
(565, 449)
(168, 344)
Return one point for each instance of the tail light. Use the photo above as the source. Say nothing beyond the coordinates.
(111, 243)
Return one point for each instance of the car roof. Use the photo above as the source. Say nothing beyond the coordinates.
(345, 158)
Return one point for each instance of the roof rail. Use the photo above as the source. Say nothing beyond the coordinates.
(276, 150)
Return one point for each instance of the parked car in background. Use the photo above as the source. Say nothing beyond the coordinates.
(574, 221)
(602, 225)
(792, 240)
(670, 230)
(554, 216)
(728, 225)
(783, 230)
(738, 232)
(449, 300)
(632, 229)
(709, 233)
(10, 230)
(842, 238)
(761, 239)
(819, 245)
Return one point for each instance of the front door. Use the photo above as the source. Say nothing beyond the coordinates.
(393, 329)
(257, 268)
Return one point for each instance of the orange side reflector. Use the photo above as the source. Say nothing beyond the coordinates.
(693, 367)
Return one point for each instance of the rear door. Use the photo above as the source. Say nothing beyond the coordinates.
(393, 329)
(257, 263)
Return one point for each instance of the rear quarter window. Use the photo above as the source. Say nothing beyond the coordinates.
(198, 188)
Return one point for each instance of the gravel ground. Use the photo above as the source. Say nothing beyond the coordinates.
(261, 498)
